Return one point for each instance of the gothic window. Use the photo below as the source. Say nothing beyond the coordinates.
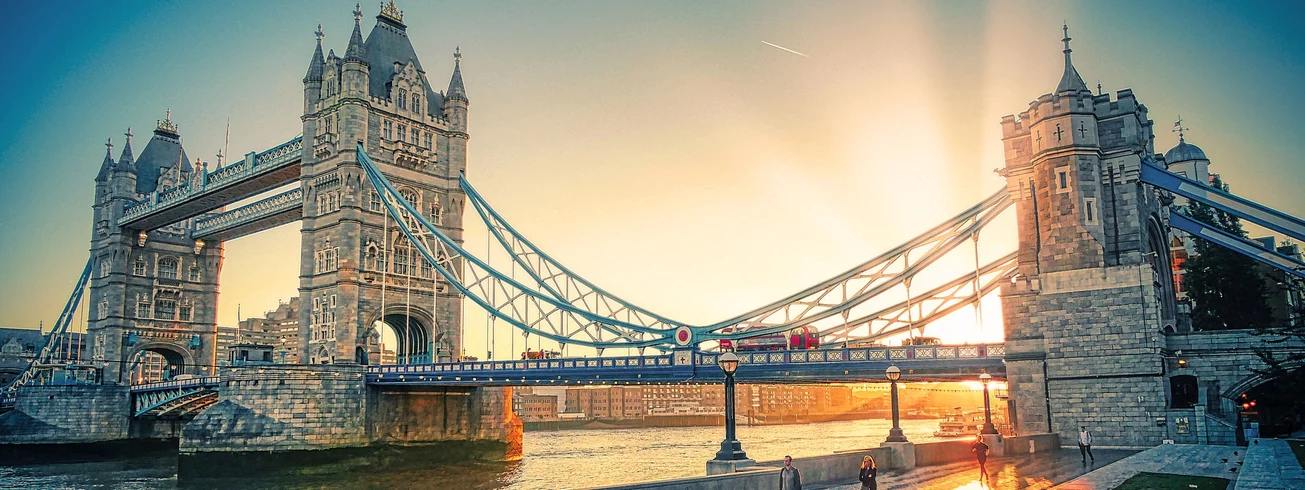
(389, 130)
(105, 267)
(374, 201)
(103, 308)
(436, 214)
(426, 271)
(402, 254)
(428, 141)
(165, 309)
(403, 102)
(402, 134)
(378, 261)
(416, 103)
(1090, 211)
(142, 310)
(1183, 392)
(410, 196)
(326, 260)
(138, 268)
(328, 202)
(168, 268)
(416, 137)
(1062, 180)
(184, 313)
(193, 274)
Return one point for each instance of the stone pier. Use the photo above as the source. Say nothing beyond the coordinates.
(270, 419)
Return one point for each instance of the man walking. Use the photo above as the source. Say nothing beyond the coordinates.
(789, 476)
(1085, 444)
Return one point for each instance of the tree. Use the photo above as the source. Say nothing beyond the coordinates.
(1226, 288)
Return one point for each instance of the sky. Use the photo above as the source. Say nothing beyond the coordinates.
(665, 150)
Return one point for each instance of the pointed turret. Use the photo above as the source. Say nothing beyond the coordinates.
(356, 51)
(318, 64)
(106, 167)
(126, 161)
(1070, 81)
(456, 90)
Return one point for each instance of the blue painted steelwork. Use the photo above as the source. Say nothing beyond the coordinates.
(254, 165)
(169, 395)
(60, 327)
(442, 252)
(835, 296)
(1260, 214)
(280, 203)
(1237, 244)
(933, 362)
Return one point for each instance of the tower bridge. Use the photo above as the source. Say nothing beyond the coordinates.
(378, 185)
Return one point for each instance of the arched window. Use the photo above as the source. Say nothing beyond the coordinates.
(410, 196)
(436, 214)
(403, 99)
(168, 268)
(374, 202)
(416, 103)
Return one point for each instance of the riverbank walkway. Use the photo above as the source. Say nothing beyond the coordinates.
(1037, 471)
(1176, 459)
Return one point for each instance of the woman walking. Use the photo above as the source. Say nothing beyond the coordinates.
(868, 472)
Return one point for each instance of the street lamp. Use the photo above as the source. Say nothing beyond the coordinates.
(988, 428)
(894, 434)
(730, 448)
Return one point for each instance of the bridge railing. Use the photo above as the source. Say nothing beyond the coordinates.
(177, 384)
(270, 159)
(481, 367)
(271, 205)
(903, 353)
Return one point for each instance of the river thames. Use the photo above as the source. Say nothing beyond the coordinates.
(553, 460)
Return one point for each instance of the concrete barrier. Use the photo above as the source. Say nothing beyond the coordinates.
(934, 453)
(1031, 443)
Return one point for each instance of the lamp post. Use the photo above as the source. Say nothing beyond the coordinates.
(988, 428)
(730, 448)
(894, 434)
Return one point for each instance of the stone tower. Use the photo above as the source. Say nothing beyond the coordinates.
(356, 268)
(1084, 315)
(151, 290)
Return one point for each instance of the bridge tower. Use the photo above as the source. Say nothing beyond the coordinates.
(1085, 315)
(357, 273)
(151, 291)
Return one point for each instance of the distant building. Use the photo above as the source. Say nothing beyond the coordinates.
(684, 399)
(606, 402)
(533, 407)
(279, 329)
(18, 346)
(227, 335)
(1284, 300)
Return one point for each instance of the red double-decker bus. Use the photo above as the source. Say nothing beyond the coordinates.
(800, 338)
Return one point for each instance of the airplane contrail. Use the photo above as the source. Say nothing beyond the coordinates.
(785, 49)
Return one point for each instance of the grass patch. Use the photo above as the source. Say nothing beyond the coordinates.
(1165, 481)
(1298, 448)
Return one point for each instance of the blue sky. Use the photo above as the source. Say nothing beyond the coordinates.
(626, 136)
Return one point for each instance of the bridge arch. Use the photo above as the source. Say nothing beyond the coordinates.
(1158, 244)
(157, 361)
(409, 331)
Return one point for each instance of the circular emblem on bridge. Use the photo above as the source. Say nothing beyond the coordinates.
(683, 335)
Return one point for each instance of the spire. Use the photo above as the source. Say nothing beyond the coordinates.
(318, 64)
(126, 159)
(356, 52)
(106, 168)
(1178, 128)
(456, 89)
(1070, 81)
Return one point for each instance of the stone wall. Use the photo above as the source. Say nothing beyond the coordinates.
(282, 408)
(67, 414)
(402, 415)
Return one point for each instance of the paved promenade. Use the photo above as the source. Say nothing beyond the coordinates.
(1042, 470)
(1178, 459)
(1270, 465)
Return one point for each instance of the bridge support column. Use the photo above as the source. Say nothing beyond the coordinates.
(67, 415)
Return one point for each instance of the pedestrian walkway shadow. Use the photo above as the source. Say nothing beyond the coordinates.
(1035, 471)
(1177, 459)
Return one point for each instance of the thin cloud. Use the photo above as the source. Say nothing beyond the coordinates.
(785, 49)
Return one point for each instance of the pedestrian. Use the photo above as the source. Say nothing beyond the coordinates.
(789, 476)
(868, 472)
(980, 451)
(1085, 444)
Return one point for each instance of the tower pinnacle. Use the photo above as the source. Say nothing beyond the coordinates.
(355, 50)
(1070, 81)
(1178, 128)
(317, 65)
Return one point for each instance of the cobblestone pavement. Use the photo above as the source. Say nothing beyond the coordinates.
(1039, 471)
(1178, 459)
(1270, 465)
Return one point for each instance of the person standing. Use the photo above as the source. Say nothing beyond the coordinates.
(1085, 444)
(868, 472)
(980, 451)
(789, 476)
